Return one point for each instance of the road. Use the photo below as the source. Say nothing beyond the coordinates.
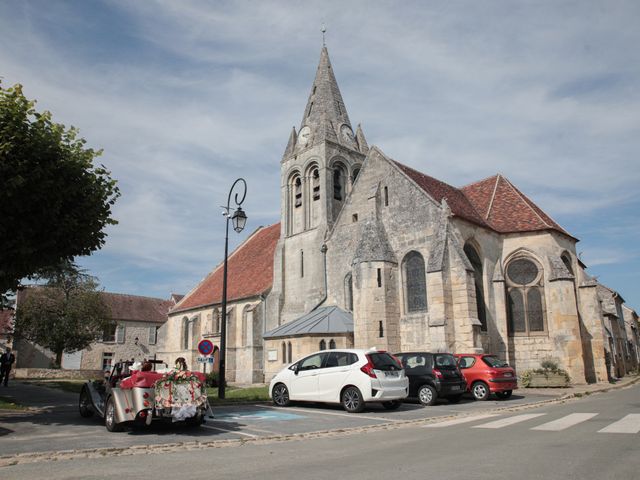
(594, 437)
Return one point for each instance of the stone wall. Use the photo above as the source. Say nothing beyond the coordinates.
(50, 373)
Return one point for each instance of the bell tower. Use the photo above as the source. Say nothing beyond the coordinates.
(320, 163)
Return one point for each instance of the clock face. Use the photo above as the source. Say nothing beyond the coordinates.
(347, 133)
(303, 136)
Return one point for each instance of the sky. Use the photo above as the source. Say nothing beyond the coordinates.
(185, 97)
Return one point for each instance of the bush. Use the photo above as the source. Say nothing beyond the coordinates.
(213, 379)
(549, 366)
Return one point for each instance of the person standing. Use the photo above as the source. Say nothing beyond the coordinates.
(6, 362)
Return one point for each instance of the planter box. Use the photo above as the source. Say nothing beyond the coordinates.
(540, 380)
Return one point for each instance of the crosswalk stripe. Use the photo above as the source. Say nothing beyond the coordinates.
(458, 421)
(565, 422)
(505, 422)
(627, 424)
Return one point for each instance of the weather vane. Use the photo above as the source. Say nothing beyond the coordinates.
(323, 30)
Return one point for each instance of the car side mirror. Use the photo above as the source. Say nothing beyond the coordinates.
(295, 369)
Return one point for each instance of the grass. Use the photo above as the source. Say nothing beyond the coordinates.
(235, 394)
(8, 404)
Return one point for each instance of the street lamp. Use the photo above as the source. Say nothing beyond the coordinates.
(239, 220)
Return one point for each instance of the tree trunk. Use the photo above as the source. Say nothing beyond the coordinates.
(59, 359)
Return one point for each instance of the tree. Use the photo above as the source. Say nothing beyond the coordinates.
(54, 203)
(65, 315)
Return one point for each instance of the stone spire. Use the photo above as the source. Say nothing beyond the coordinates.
(373, 245)
(291, 144)
(362, 142)
(325, 116)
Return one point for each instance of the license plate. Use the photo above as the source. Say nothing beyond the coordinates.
(508, 374)
(455, 387)
(391, 374)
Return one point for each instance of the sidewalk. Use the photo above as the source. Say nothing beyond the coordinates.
(580, 390)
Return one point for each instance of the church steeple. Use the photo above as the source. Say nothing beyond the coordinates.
(325, 116)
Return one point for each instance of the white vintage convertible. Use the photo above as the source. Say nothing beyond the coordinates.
(133, 397)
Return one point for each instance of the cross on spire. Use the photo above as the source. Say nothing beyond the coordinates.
(323, 30)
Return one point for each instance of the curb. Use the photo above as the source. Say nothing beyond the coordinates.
(34, 457)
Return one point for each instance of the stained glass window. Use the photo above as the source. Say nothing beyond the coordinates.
(415, 282)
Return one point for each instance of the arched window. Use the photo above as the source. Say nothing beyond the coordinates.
(284, 352)
(297, 185)
(216, 321)
(476, 263)
(323, 344)
(186, 343)
(315, 183)
(348, 292)
(332, 344)
(338, 182)
(289, 355)
(415, 283)
(525, 297)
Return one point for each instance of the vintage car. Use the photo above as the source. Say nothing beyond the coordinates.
(134, 397)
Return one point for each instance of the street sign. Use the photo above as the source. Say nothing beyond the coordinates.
(205, 359)
(205, 347)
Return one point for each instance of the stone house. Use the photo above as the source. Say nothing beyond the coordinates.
(134, 333)
(198, 314)
(370, 252)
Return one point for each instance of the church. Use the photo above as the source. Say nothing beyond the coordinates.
(370, 252)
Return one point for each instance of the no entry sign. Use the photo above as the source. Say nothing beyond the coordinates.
(205, 347)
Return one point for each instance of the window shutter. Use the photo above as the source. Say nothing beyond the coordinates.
(120, 334)
(153, 335)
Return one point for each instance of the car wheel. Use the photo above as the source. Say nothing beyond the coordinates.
(110, 417)
(84, 404)
(280, 395)
(427, 395)
(454, 398)
(392, 405)
(504, 395)
(194, 421)
(480, 391)
(351, 400)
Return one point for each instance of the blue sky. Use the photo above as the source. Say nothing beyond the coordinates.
(186, 96)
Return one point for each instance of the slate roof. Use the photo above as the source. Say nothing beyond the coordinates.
(324, 320)
(250, 272)
(133, 308)
(494, 203)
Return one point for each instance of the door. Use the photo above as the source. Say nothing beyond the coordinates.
(334, 374)
(304, 384)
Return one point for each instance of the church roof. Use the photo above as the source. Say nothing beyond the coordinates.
(494, 203)
(322, 321)
(506, 209)
(250, 272)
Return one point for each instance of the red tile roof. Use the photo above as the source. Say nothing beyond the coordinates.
(506, 209)
(124, 307)
(250, 272)
(6, 317)
(438, 190)
(492, 203)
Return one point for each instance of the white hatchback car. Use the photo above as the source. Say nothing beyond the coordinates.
(350, 377)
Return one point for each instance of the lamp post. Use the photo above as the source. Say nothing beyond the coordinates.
(239, 219)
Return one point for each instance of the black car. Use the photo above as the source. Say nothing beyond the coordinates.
(433, 375)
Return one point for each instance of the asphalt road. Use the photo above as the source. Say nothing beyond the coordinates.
(60, 427)
(595, 437)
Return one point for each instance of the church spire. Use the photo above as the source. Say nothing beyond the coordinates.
(325, 116)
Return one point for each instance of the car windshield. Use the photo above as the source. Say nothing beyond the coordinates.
(445, 360)
(383, 361)
(494, 362)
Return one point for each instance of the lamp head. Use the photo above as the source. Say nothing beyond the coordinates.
(239, 220)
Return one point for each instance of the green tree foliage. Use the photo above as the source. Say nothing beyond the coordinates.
(64, 315)
(54, 202)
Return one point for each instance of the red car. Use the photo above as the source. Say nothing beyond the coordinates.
(486, 374)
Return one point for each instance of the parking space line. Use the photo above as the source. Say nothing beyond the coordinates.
(458, 421)
(348, 415)
(230, 431)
